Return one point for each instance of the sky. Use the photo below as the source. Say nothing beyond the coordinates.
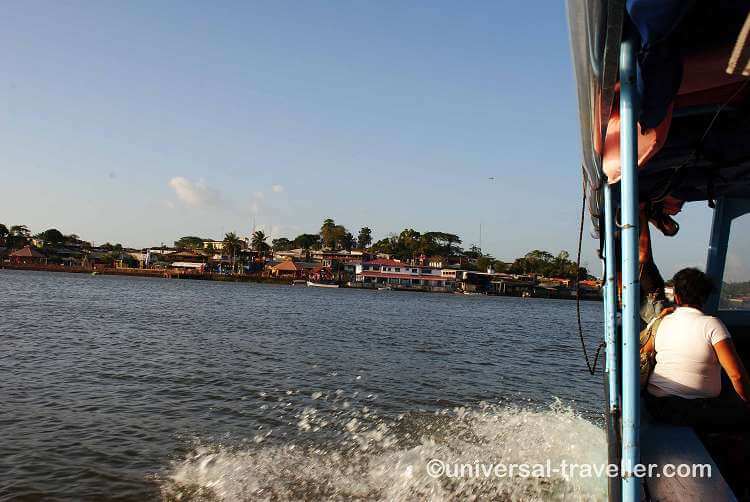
(140, 122)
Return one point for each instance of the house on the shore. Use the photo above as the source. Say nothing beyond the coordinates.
(27, 255)
(289, 269)
(328, 257)
(210, 245)
(188, 266)
(452, 262)
(393, 273)
(290, 254)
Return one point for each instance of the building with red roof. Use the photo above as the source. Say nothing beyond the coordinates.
(25, 255)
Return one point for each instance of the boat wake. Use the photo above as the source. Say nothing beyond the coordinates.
(380, 459)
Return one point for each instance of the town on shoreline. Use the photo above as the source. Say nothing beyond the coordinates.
(408, 261)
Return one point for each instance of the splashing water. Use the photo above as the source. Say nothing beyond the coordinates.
(347, 453)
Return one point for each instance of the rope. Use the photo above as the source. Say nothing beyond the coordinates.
(591, 367)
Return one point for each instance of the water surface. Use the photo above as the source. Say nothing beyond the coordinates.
(132, 388)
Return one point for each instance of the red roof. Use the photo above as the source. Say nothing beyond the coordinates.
(389, 263)
(288, 266)
(422, 277)
(27, 252)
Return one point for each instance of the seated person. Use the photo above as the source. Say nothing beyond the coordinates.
(691, 350)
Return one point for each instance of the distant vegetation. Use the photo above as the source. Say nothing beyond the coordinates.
(409, 244)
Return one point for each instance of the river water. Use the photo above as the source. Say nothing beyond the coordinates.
(128, 388)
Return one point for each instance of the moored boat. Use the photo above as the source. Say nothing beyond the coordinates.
(311, 284)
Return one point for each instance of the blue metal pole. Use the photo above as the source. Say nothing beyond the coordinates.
(717, 250)
(610, 302)
(631, 486)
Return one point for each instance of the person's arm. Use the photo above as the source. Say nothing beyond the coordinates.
(649, 346)
(734, 368)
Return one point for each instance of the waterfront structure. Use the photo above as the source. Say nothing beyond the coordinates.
(289, 269)
(291, 254)
(188, 265)
(26, 255)
(328, 257)
(215, 245)
(394, 273)
(219, 245)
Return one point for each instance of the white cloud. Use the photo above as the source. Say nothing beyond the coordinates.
(277, 188)
(195, 194)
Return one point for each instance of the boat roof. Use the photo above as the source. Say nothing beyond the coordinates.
(700, 84)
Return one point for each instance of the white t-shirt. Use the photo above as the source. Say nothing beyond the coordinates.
(686, 364)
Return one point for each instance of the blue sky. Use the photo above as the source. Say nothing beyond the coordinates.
(139, 122)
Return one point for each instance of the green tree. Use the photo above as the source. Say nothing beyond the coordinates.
(364, 239)
(383, 246)
(3, 233)
(348, 241)
(189, 242)
(231, 246)
(18, 236)
(258, 242)
(307, 241)
(408, 244)
(440, 243)
(452, 239)
(52, 237)
(485, 262)
(340, 237)
(327, 233)
(546, 264)
(281, 244)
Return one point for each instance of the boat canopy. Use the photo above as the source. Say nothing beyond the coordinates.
(693, 69)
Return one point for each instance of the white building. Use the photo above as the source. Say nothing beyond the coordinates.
(382, 272)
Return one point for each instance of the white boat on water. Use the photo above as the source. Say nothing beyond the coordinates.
(299, 282)
(311, 284)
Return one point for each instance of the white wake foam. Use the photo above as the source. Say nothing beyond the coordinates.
(382, 460)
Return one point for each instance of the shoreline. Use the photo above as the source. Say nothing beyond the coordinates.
(140, 272)
(202, 276)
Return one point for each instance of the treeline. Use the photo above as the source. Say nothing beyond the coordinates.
(733, 289)
(407, 245)
(546, 264)
(411, 244)
(331, 236)
(18, 236)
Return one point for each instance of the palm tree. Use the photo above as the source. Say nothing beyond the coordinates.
(258, 242)
(3, 233)
(232, 245)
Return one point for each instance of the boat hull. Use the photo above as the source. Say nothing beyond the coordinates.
(311, 284)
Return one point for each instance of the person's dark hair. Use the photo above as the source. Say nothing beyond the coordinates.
(692, 286)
